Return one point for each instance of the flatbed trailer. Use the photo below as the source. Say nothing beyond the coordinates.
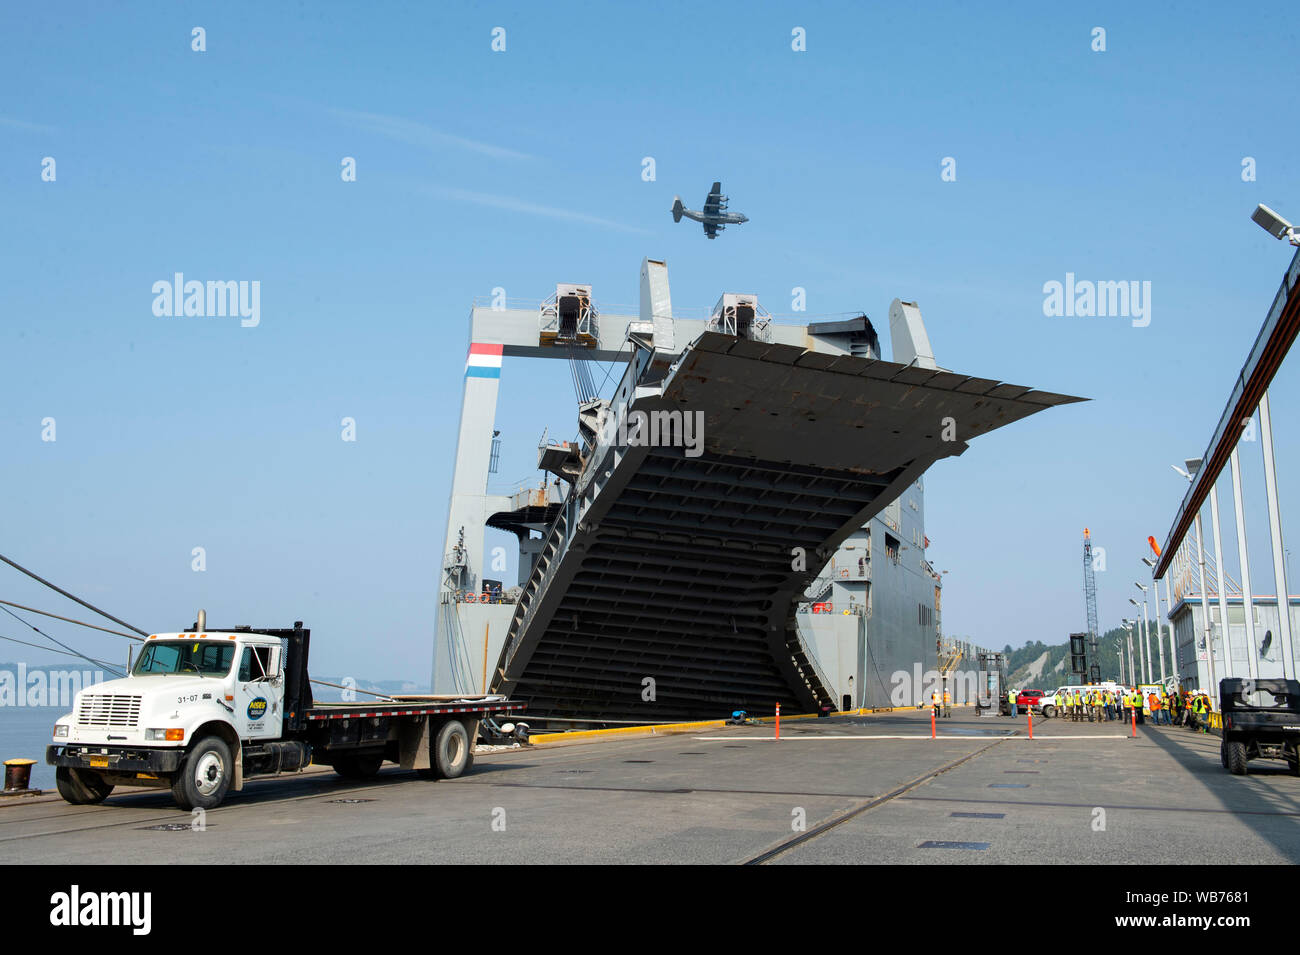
(203, 710)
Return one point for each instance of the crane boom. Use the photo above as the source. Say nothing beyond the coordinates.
(1090, 597)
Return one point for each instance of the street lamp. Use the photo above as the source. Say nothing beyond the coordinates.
(1142, 649)
(1274, 224)
(1146, 636)
(1128, 628)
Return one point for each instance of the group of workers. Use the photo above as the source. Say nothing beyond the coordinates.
(941, 703)
(1099, 703)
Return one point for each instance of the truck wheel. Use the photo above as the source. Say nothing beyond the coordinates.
(1049, 711)
(1234, 755)
(204, 777)
(358, 767)
(81, 789)
(452, 751)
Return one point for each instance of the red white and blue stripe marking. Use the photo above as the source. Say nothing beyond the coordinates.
(484, 361)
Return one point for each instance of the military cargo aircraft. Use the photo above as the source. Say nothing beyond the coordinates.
(715, 216)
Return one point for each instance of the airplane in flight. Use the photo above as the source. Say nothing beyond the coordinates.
(715, 215)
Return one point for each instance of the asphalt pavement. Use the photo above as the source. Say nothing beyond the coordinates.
(870, 789)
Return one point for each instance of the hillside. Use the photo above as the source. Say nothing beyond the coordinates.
(1045, 667)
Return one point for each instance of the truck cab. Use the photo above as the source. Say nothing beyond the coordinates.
(192, 704)
(203, 709)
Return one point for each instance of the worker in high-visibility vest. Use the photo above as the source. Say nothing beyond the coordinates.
(935, 701)
(1011, 701)
(1203, 709)
(1153, 704)
(947, 703)
(1097, 701)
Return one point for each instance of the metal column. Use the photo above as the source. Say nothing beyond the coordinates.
(1275, 534)
(1247, 597)
(1173, 643)
(467, 508)
(1213, 688)
(1223, 586)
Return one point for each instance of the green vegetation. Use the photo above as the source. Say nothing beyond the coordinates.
(1019, 661)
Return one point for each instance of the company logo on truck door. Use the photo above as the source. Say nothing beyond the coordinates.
(256, 708)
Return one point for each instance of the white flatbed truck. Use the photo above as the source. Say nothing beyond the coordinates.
(203, 710)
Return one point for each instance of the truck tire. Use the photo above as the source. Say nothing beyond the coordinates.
(203, 778)
(1234, 756)
(453, 752)
(1049, 711)
(81, 789)
(358, 767)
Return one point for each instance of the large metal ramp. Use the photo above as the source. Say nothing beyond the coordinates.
(667, 587)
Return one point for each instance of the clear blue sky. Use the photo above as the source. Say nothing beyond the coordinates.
(478, 169)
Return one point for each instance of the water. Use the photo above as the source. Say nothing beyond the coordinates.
(25, 731)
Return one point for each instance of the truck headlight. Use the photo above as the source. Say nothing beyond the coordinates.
(170, 735)
(60, 730)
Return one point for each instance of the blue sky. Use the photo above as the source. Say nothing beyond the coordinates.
(520, 169)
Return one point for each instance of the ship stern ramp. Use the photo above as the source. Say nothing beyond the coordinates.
(667, 586)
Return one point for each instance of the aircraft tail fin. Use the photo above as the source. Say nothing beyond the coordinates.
(677, 208)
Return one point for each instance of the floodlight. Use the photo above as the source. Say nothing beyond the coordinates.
(1271, 222)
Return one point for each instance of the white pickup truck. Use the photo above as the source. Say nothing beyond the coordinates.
(202, 710)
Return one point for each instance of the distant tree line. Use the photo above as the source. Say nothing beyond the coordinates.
(1018, 660)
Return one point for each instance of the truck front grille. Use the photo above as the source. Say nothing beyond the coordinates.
(107, 709)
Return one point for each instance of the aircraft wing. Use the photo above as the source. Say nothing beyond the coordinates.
(711, 229)
(714, 204)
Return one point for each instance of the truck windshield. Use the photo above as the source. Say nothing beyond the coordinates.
(204, 657)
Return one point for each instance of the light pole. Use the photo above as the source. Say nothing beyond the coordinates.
(1147, 625)
(1278, 228)
(1144, 671)
(1128, 629)
(1247, 596)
